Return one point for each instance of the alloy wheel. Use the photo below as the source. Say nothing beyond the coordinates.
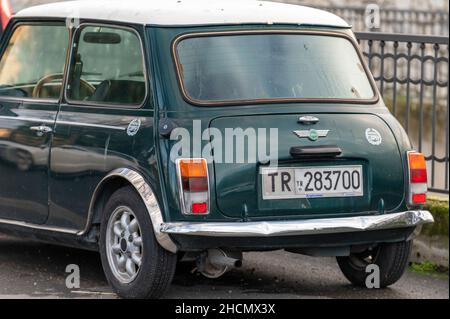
(124, 244)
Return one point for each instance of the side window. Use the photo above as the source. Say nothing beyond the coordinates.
(107, 67)
(32, 65)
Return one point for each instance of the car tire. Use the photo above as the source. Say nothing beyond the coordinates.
(391, 258)
(135, 265)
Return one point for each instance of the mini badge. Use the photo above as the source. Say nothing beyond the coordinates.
(373, 136)
(313, 135)
(133, 127)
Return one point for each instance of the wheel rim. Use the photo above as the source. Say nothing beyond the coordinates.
(124, 246)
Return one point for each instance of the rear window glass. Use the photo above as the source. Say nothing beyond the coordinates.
(271, 67)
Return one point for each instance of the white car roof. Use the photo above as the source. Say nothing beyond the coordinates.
(187, 12)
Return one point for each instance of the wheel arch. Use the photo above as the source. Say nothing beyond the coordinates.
(128, 177)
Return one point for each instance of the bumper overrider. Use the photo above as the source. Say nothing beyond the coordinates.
(406, 219)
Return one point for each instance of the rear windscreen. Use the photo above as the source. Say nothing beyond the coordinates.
(270, 67)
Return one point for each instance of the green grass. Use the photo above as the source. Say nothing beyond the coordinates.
(429, 268)
(439, 208)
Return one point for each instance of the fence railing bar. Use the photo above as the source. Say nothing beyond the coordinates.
(438, 190)
(437, 159)
(422, 76)
(370, 53)
(382, 44)
(408, 87)
(394, 100)
(381, 36)
(447, 137)
(433, 130)
(359, 10)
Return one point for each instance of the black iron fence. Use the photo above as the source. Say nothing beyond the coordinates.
(412, 75)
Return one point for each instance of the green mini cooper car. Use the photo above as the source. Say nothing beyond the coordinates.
(157, 132)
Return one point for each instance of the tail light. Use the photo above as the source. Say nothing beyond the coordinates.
(5, 13)
(418, 180)
(194, 186)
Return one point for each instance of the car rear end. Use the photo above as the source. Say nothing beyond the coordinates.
(290, 145)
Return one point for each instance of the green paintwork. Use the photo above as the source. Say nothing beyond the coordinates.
(238, 184)
(82, 155)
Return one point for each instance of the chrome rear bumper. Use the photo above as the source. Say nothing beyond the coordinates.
(300, 227)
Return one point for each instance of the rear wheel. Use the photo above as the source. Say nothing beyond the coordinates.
(135, 264)
(391, 258)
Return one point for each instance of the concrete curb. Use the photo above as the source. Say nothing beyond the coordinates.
(433, 245)
(433, 249)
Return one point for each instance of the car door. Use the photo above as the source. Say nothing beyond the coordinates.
(31, 72)
(93, 134)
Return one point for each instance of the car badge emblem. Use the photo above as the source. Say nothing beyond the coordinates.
(133, 127)
(373, 136)
(313, 135)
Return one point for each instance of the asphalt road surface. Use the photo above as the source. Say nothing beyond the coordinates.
(35, 270)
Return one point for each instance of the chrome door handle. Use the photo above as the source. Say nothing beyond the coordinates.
(42, 129)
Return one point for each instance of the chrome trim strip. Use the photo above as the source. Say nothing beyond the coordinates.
(109, 127)
(39, 227)
(39, 120)
(148, 198)
(19, 100)
(300, 227)
(27, 119)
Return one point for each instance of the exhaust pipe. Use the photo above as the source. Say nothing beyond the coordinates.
(214, 263)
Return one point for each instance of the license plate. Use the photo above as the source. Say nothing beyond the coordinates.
(312, 182)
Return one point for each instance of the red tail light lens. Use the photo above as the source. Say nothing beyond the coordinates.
(419, 176)
(199, 208)
(419, 198)
(418, 179)
(194, 186)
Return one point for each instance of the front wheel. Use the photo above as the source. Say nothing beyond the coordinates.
(391, 258)
(135, 265)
